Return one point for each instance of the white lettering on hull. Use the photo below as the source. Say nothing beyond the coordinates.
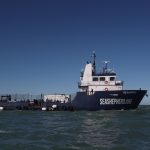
(111, 101)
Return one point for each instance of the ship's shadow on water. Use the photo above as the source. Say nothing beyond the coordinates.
(116, 130)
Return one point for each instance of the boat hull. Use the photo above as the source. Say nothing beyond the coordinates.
(20, 105)
(99, 100)
(108, 100)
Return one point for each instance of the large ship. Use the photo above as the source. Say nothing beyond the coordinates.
(102, 91)
(97, 91)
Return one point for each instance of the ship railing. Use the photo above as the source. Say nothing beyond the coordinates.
(119, 83)
(99, 83)
(85, 83)
(20, 97)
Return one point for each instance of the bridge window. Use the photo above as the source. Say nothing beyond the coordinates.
(95, 79)
(102, 78)
(112, 78)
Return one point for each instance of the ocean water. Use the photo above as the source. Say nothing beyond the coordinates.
(79, 130)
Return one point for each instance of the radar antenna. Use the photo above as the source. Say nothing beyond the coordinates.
(106, 66)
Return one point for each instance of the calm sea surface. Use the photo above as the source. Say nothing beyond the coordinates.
(80, 130)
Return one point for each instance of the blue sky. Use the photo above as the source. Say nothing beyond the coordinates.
(45, 43)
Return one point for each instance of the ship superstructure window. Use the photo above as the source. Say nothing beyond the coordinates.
(102, 78)
(112, 78)
(95, 78)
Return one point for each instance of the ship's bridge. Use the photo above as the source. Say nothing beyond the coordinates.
(103, 81)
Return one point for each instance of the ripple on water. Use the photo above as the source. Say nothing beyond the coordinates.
(75, 130)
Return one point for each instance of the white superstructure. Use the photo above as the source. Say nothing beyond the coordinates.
(105, 80)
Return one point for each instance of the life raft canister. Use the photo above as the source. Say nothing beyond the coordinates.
(106, 89)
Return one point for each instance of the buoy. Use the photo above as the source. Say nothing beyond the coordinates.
(106, 82)
(1, 108)
(54, 106)
(44, 108)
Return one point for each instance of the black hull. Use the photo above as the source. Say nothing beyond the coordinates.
(100, 100)
(7, 105)
(108, 100)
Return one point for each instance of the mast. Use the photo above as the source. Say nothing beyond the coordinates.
(94, 64)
